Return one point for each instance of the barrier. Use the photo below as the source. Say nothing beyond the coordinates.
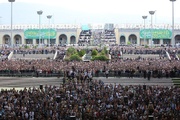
(10, 55)
(55, 55)
(168, 55)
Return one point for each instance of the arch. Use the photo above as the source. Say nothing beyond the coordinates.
(133, 39)
(122, 39)
(63, 39)
(17, 39)
(72, 39)
(6, 39)
(177, 39)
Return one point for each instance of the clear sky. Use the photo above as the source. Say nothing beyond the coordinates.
(89, 11)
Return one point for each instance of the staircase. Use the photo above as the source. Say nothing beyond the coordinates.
(87, 57)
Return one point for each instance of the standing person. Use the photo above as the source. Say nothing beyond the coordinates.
(149, 74)
(107, 73)
(144, 73)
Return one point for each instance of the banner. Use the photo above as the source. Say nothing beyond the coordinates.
(43, 33)
(156, 34)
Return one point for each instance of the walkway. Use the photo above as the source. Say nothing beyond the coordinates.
(21, 82)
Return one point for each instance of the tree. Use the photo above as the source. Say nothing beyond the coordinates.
(75, 57)
(94, 52)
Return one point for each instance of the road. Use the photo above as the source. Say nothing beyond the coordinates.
(21, 82)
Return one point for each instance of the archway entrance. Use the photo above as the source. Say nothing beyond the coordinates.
(133, 39)
(6, 39)
(62, 39)
(177, 39)
(72, 40)
(122, 40)
(17, 39)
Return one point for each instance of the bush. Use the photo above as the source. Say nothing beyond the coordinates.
(94, 52)
(100, 57)
(75, 57)
(81, 53)
(71, 51)
(146, 46)
(26, 47)
(105, 50)
(128, 43)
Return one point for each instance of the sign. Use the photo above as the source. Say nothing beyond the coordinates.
(156, 34)
(43, 33)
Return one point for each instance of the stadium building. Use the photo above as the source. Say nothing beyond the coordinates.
(91, 34)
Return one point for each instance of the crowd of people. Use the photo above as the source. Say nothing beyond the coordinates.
(93, 100)
(129, 67)
(83, 97)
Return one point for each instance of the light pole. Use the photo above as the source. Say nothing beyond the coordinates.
(11, 39)
(151, 13)
(49, 17)
(144, 17)
(39, 13)
(173, 41)
(0, 20)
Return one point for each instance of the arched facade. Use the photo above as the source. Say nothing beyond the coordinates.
(177, 38)
(71, 36)
(17, 39)
(132, 39)
(6, 39)
(63, 39)
(72, 39)
(122, 39)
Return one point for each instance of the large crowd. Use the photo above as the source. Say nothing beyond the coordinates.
(83, 97)
(129, 67)
(93, 100)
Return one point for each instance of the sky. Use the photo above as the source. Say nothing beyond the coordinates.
(89, 11)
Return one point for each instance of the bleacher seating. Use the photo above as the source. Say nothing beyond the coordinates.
(84, 37)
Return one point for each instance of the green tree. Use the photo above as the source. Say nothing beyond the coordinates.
(94, 52)
(81, 52)
(71, 51)
(100, 57)
(75, 57)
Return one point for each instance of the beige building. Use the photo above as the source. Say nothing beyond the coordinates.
(69, 34)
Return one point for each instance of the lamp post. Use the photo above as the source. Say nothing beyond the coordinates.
(144, 17)
(151, 13)
(11, 40)
(173, 41)
(0, 20)
(49, 17)
(39, 13)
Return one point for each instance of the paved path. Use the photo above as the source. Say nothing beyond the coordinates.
(141, 55)
(32, 56)
(21, 82)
